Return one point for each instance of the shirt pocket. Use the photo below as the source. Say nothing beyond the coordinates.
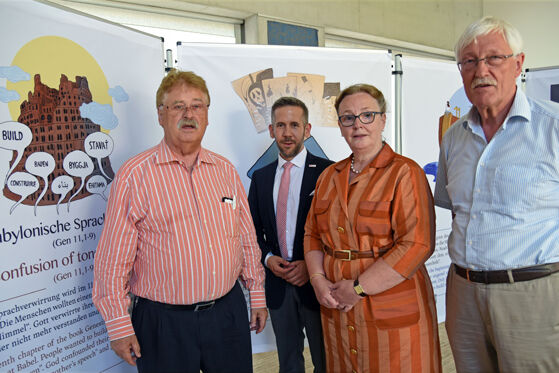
(373, 218)
(321, 208)
(229, 218)
(515, 188)
(394, 308)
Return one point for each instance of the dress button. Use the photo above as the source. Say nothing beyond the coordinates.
(341, 229)
(351, 328)
(353, 351)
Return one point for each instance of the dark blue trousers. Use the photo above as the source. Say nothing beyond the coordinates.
(214, 340)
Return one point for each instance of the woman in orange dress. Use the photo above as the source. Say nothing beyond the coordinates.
(370, 229)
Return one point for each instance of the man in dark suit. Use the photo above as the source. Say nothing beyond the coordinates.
(280, 196)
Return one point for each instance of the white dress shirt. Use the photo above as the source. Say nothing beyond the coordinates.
(295, 181)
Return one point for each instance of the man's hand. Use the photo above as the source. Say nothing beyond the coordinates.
(258, 317)
(297, 274)
(278, 266)
(127, 348)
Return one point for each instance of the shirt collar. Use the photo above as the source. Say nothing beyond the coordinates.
(164, 154)
(520, 108)
(383, 159)
(298, 161)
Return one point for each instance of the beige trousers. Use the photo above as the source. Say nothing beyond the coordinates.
(503, 327)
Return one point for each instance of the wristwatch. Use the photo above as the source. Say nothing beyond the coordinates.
(358, 288)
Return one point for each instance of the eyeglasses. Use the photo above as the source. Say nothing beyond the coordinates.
(493, 61)
(366, 117)
(180, 108)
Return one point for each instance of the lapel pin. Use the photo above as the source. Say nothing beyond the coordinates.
(312, 165)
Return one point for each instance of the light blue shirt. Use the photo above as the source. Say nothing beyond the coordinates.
(295, 182)
(505, 193)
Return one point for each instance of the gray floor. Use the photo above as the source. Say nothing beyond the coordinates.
(267, 362)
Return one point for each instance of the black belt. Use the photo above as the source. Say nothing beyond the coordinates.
(180, 307)
(508, 276)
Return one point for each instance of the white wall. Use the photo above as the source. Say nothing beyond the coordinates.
(433, 23)
(538, 23)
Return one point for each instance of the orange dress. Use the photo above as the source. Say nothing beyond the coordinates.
(387, 209)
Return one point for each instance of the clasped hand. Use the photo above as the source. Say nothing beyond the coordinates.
(340, 295)
(294, 272)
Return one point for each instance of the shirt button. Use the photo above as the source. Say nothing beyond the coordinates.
(474, 216)
(341, 229)
(351, 328)
(353, 351)
(469, 242)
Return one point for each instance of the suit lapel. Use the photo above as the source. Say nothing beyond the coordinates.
(269, 176)
(307, 187)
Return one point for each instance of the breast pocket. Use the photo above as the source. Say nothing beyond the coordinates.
(229, 218)
(394, 308)
(515, 188)
(321, 208)
(373, 218)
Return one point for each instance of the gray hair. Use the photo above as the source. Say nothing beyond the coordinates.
(485, 26)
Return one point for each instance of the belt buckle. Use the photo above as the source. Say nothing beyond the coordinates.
(348, 254)
(204, 306)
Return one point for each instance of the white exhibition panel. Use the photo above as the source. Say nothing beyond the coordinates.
(426, 87)
(540, 83)
(231, 131)
(47, 320)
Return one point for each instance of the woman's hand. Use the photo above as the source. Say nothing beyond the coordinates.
(344, 293)
(322, 288)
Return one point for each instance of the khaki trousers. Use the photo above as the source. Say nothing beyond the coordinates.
(503, 327)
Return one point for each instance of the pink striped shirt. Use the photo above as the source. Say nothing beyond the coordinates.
(174, 237)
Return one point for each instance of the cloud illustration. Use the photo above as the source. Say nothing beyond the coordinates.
(99, 114)
(6, 95)
(118, 93)
(13, 73)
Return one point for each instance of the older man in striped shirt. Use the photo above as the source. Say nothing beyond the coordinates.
(178, 235)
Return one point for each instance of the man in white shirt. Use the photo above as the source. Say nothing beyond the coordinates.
(498, 173)
(280, 196)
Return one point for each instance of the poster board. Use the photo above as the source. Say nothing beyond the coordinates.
(543, 83)
(239, 117)
(77, 98)
(427, 86)
(232, 131)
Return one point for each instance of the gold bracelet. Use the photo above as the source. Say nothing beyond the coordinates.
(315, 275)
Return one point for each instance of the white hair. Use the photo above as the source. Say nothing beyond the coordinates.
(485, 26)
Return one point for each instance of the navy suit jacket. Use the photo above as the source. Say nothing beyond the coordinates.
(261, 200)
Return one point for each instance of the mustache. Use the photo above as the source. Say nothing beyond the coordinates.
(483, 81)
(187, 122)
